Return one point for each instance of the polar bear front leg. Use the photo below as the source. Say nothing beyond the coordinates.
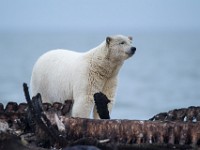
(109, 90)
(82, 106)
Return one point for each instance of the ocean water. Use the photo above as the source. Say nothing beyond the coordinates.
(163, 74)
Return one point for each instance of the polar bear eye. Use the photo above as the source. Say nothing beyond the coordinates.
(122, 43)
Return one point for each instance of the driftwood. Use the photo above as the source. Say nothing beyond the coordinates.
(49, 126)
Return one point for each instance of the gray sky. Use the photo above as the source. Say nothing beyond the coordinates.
(99, 14)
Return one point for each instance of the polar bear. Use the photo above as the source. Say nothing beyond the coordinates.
(59, 75)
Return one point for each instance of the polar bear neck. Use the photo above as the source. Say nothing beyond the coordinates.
(100, 64)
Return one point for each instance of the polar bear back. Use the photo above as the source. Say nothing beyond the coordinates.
(54, 73)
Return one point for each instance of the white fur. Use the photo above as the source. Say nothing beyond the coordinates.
(60, 75)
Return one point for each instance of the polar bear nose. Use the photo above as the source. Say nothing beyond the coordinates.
(133, 49)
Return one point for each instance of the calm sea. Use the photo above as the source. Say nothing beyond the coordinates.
(163, 74)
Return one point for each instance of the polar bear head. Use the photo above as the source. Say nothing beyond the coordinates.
(119, 48)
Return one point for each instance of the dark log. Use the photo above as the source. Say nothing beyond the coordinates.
(101, 103)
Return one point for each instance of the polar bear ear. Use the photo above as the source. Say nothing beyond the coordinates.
(108, 39)
(130, 38)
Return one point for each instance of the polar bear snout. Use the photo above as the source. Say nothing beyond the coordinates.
(133, 49)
